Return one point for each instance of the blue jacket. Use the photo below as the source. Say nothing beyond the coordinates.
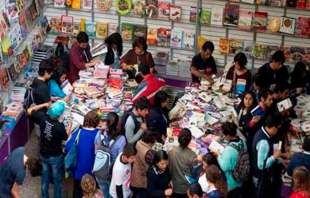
(85, 151)
(55, 90)
(298, 159)
(158, 121)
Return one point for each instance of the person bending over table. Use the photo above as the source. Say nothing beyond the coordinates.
(114, 43)
(203, 64)
(80, 57)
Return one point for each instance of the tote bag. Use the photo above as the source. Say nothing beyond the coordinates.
(71, 158)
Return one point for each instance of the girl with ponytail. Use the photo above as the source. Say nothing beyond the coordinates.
(217, 186)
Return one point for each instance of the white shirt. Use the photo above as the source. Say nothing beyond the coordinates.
(121, 176)
(204, 183)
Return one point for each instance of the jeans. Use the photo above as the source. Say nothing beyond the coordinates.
(104, 185)
(54, 164)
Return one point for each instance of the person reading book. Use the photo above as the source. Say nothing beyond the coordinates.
(114, 43)
(274, 72)
(203, 64)
(238, 74)
(80, 57)
(58, 77)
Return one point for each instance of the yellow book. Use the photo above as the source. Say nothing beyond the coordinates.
(102, 29)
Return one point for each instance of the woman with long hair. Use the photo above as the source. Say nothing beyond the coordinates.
(217, 186)
(300, 79)
(114, 43)
(58, 77)
(301, 178)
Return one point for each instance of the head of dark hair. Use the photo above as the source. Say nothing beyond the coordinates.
(58, 72)
(112, 123)
(210, 159)
(160, 97)
(264, 93)
(241, 59)
(195, 189)
(278, 57)
(91, 119)
(149, 136)
(34, 166)
(45, 66)
(273, 120)
(129, 150)
(82, 37)
(144, 69)
(281, 87)
(160, 155)
(306, 144)
(258, 80)
(253, 96)
(139, 42)
(297, 73)
(117, 40)
(185, 138)
(229, 128)
(142, 103)
(208, 45)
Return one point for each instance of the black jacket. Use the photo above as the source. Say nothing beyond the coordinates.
(157, 182)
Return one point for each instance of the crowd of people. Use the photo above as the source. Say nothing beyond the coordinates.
(135, 169)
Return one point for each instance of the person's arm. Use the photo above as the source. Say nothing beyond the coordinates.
(77, 59)
(151, 187)
(199, 74)
(262, 148)
(129, 131)
(119, 191)
(14, 190)
(68, 129)
(55, 90)
(38, 107)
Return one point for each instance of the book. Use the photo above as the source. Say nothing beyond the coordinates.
(127, 31)
(151, 37)
(287, 25)
(163, 37)
(258, 111)
(297, 53)
(188, 40)
(245, 20)
(75, 28)
(287, 52)
(139, 31)
(151, 10)
(176, 38)
(163, 10)
(284, 104)
(66, 87)
(262, 2)
(60, 3)
(112, 28)
(205, 17)
(303, 26)
(175, 12)
(12, 73)
(277, 3)
(5, 81)
(240, 85)
(90, 29)
(235, 46)
(216, 147)
(248, 47)
(87, 4)
(224, 46)
(194, 12)
(248, 1)
(138, 7)
(216, 15)
(102, 29)
(12, 12)
(66, 24)
(260, 51)
(55, 25)
(260, 20)
(231, 15)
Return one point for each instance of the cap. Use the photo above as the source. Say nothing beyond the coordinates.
(56, 109)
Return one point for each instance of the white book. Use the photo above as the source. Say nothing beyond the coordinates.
(196, 132)
(284, 104)
(216, 15)
(216, 147)
(66, 87)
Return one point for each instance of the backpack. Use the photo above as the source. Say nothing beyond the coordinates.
(124, 120)
(29, 99)
(103, 160)
(241, 170)
(62, 53)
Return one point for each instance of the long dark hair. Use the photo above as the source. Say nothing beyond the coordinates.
(241, 106)
(112, 123)
(160, 97)
(297, 73)
(117, 40)
(58, 71)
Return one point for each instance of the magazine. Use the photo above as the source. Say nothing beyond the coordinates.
(217, 15)
(245, 20)
(231, 15)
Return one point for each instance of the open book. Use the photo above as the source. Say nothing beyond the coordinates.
(66, 87)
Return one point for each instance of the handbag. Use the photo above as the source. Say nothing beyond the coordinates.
(264, 185)
(71, 158)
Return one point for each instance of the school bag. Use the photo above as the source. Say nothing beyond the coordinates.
(241, 170)
(29, 97)
(124, 120)
(103, 159)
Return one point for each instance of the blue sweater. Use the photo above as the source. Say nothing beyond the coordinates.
(55, 90)
(298, 159)
(85, 151)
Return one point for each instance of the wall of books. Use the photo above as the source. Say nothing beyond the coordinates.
(176, 28)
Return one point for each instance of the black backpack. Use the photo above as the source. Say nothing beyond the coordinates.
(241, 171)
(29, 98)
(124, 120)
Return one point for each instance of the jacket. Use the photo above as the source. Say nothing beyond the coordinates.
(158, 121)
(157, 182)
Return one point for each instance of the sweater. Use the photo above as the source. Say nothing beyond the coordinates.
(158, 121)
(55, 90)
(227, 161)
(298, 159)
(157, 182)
(272, 77)
(245, 76)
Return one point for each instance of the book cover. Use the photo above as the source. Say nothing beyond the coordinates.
(262, 2)
(138, 7)
(277, 3)
(240, 85)
(151, 37)
(260, 20)
(258, 111)
(188, 40)
(245, 20)
(139, 31)
(90, 29)
(231, 15)
(176, 38)
(287, 25)
(193, 13)
(163, 10)
(87, 4)
(175, 12)
(151, 10)
(5, 82)
(163, 37)
(303, 26)
(284, 104)
(287, 52)
(55, 25)
(235, 46)
(3, 27)
(217, 15)
(224, 46)
(216, 147)
(12, 12)
(248, 1)
(66, 24)
(33, 11)
(102, 29)
(112, 28)
(260, 51)
(11, 71)
(297, 53)
(205, 17)
(75, 28)
(60, 3)
(127, 31)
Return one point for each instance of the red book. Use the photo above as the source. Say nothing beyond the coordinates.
(303, 26)
(260, 20)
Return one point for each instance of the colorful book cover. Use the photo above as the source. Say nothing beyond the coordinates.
(87, 4)
(5, 81)
(66, 24)
(297, 53)
(151, 10)
(231, 14)
(287, 25)
(271, 49)
(260, 51)
(217, 15)
(224, 46)
(188, 40)
(175, 12)
(127, 31)
(303, 26)
(248, 47)
(262, 2)
(245, 20)
(55, 25)
(112, 28)
(176, 38)
(260, 20)
(205, 17)
(60, 3)
(139, 31)
(235, 46)
(75, 28)
(193, 13)
(11, 71)
(163, 10)
(138, 7)
(102, 29)
(90, 29)
(33, 11)
(12, 12)
(163, 37)
(151, 37)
